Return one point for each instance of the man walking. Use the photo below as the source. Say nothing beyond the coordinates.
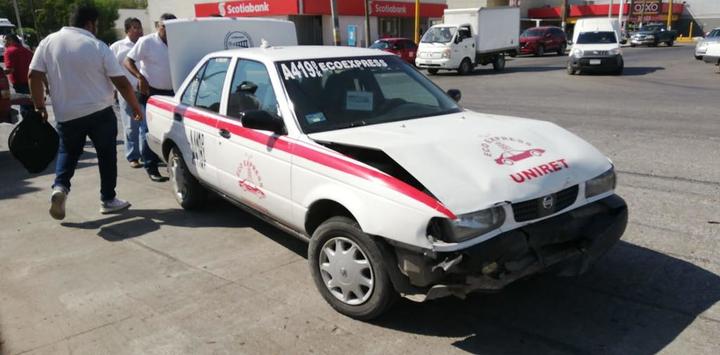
(135, 130)
(80, 71)
(151, 52)
(17, 64)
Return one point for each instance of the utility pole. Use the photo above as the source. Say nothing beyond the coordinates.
(630, 13)
(417, 21)
(620, 13)
(669, 19)
(336, 22)
(563, 16)
(17, 15)
(367, 23)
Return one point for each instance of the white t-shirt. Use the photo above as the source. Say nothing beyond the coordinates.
(152, 54)
(120, 49)
(78, 67)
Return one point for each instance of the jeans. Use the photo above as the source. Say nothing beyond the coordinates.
(101, 127)
(150, 159)
(134, 130)
(23, 89)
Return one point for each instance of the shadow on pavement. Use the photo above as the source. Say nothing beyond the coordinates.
(135, 223)
(14, 177)
(635, 301)
(630, 71)
(488, 70)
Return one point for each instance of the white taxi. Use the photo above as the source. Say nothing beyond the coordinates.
(398, 189)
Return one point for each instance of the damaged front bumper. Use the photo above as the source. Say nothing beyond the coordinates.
(567, 245)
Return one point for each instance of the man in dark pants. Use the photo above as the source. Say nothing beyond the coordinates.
(151, 52)
(81, 71)
(17, 64)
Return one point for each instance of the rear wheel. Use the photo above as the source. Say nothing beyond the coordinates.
(432, 71)
(499, 62)
(465, 67)
(186, 188)
(349, 270)
(561, 50)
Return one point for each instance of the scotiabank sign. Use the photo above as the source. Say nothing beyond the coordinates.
(247, 8)
(316, 7)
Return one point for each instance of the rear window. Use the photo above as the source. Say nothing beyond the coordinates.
(597, 37)
(380, 45)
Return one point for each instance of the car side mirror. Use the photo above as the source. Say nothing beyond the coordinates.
(262, 120)
(455, 94)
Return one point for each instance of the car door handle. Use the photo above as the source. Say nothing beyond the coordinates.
(177, 116)
(224, 133)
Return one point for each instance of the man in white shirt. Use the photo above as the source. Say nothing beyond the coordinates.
(134, 131)
(80, 72)
(151, 52)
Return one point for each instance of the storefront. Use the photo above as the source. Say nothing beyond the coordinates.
(314, 21)
(642, 12)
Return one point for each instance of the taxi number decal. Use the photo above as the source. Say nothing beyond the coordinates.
(315, 69)
(197, 147)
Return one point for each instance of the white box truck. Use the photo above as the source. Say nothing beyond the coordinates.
(596, 47)
(470, 37)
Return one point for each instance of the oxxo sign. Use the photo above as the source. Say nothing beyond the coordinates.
(648, 7)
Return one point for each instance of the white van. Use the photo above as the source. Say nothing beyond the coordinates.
(596, 47)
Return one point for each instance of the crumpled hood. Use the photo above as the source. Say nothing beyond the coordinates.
(471, 161)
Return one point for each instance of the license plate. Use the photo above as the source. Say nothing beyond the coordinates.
(595, 61)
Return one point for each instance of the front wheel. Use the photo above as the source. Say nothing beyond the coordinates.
(432, 71)
(186, 188)
(540, 51)
(620, 68)
(349, 270)
(698, 57)
(570, 69)
(465, 67)
(670, 43)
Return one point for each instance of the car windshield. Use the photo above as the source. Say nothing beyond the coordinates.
(336, 93)
(441, 34)
(596, 37)
(651, 28)
(380, 45)
(532, 33)
(6, 30)
(714, 33)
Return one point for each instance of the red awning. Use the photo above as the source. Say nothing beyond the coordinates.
(591, 11)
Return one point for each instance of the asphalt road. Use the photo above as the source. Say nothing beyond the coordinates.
(161, 280)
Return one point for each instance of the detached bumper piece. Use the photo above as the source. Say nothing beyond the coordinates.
(566, 245)
(606, 64)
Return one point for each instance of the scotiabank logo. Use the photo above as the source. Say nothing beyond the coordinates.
(239, 8)
(381, 9)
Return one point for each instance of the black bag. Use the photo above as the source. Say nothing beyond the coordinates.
(33, 142)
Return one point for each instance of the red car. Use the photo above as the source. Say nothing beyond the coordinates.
(510, 157)
(402, 47)
(540, 40)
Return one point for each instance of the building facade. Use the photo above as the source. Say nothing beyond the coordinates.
(312, 18)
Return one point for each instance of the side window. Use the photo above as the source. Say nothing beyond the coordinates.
(210, 89)
(188, 97)
(251, 90)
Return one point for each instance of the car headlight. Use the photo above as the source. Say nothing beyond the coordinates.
(576, 52)
(468, 225)
(615, 51)
(446, 53)
(600, 184)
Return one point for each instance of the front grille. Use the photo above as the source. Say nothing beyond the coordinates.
(537, 208)
(597, 53)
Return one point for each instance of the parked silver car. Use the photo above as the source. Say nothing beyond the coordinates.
(701, 46)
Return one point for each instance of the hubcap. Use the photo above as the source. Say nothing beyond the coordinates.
(346, 271)
(178, 178)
